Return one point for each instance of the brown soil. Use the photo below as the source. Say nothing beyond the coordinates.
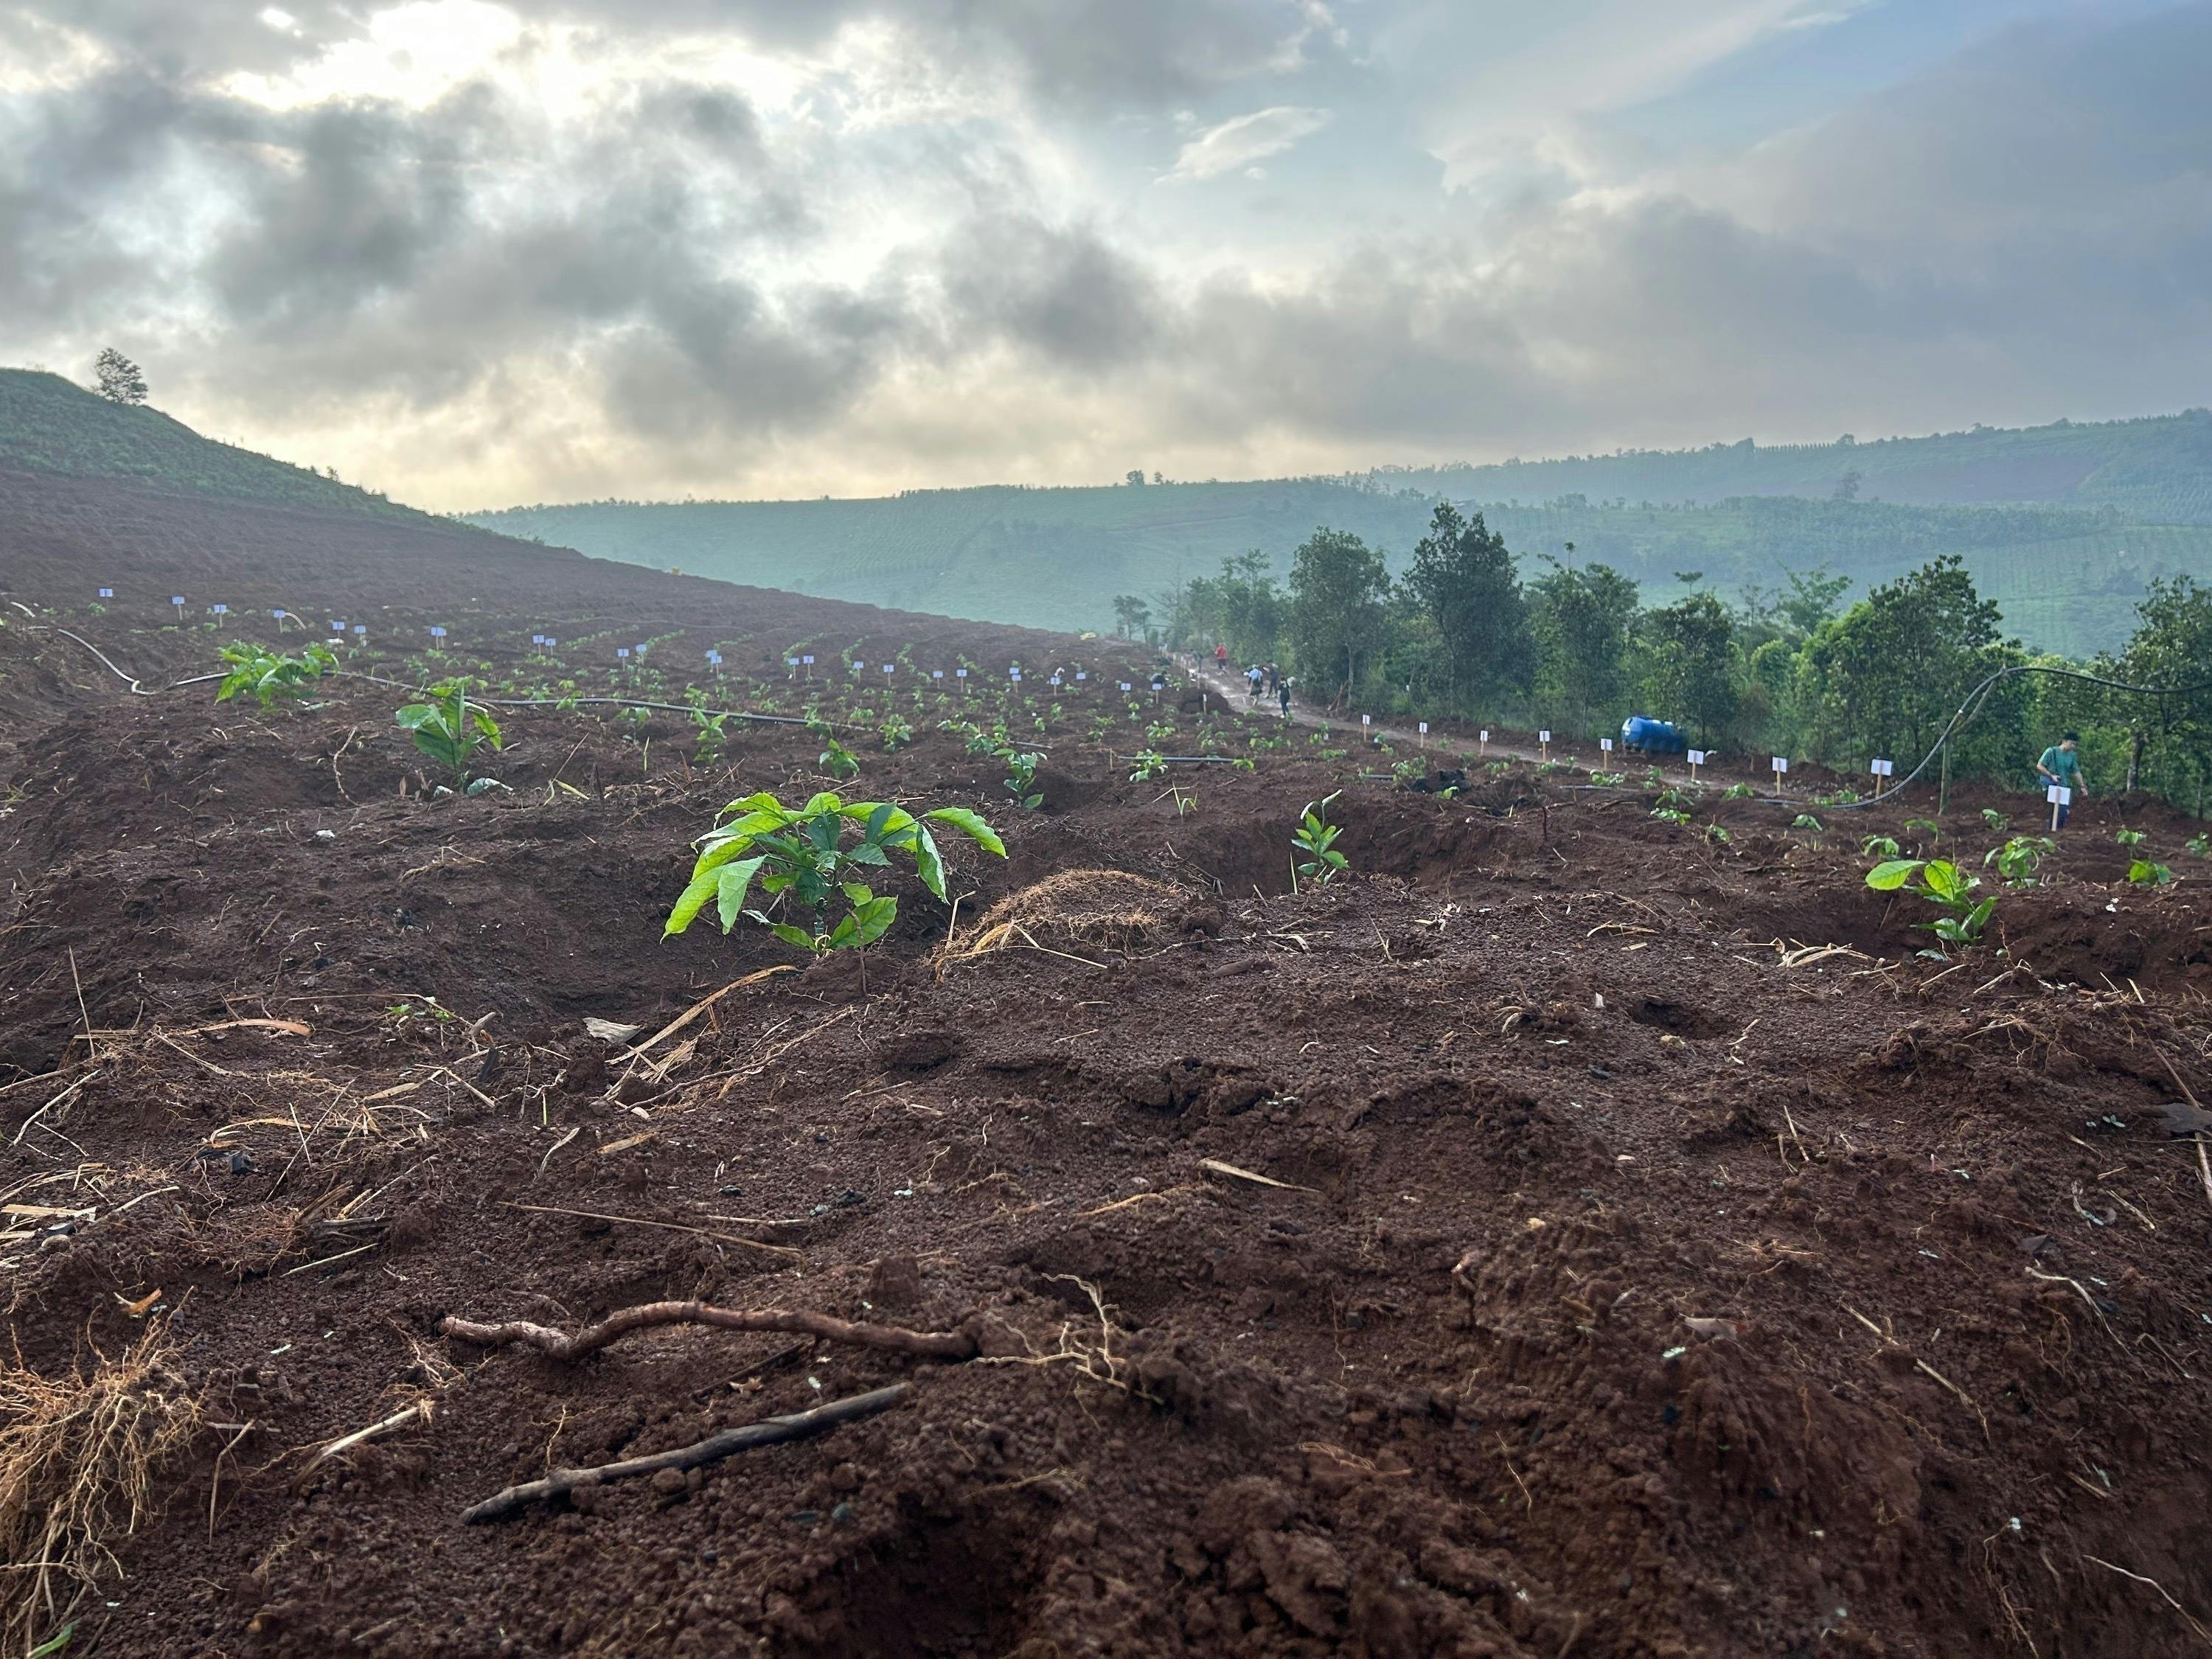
(1625, 1280)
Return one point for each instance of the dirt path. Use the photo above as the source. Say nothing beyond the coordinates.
(1232, 691)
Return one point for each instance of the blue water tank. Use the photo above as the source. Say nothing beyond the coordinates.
(1652, 737)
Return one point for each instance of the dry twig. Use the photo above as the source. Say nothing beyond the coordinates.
(930, 1345)
(774, 1431)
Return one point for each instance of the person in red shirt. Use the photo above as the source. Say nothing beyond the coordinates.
(1221, 656)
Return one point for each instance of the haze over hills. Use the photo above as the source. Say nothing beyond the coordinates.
(2064, 525)
(2065, 558)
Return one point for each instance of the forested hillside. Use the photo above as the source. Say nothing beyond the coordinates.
(2068, 578)
(2157, 470)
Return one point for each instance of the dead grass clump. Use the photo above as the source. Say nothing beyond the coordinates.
(78, 1459)
(1105, 909)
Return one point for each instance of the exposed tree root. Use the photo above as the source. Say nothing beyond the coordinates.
(930, 1345)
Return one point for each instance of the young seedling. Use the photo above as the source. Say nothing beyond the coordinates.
(2141, 871)
(1998, 822)
(2020, 858)
(711, 735)
(1151, 765)
(1943, 884)
(800, 852)
(1880, 847)
(450, 728)
(839, 762)
(1315, 837)
(1738, 792)
(2200, 845)
(270, 679)
(1670, 815)
(1806, 821)
(1021, 778)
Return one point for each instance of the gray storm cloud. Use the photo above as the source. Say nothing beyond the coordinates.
(668, 270)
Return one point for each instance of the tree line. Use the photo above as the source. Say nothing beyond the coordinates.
(1786, 671)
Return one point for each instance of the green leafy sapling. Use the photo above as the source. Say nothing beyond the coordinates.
(2020, 858)
(1880, 847)
(1316, 839)
(1021, 778)
(800, 855)
(1943, 884)
(712, 737)
(450, 728)
(1151, 765)
(2141, 871)
(269, 677)
(839, 762)
(2200, 844)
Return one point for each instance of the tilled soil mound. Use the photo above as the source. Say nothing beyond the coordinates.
(1569, 1235)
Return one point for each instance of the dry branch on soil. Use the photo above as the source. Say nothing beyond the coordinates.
(79, 1455)
(931, 1345)
(773, 1431)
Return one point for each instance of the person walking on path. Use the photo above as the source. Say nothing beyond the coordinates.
(1252, 681)
(1283, 694)
(1220, 657)
(2061, 765)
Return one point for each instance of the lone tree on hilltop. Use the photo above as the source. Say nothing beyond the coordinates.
(120, 380)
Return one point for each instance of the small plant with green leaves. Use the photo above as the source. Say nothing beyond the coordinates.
(269, 677)
(2020, 858)
(1944, 884)
(1608, 780)
(712, 737)
(1880, 847)
(2130, 839)
(1674, 815)
(1021, 778)
(1997, 822)
(1843, 795)
(1151, 765)
(896, 732)
(1806, 821)
(839, 762)
(1718, 834)
(2142, 872)
(799, 858)
(1313, 857)
(2201, 845)
(452, 728)
(1738, 792)
(1927, 827)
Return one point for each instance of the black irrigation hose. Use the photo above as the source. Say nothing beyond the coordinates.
(1968, 708)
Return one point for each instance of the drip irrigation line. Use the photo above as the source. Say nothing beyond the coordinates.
(139, 690)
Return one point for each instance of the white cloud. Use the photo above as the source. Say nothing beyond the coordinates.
(1243, 140)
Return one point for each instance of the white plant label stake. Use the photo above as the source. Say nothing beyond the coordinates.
(1544, 746)
(1483, 741)
(1882, 769)
(1696, 759)
(2060, 798)
(1781, 771)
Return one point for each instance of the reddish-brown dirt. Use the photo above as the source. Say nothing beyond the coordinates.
(1626, 1280)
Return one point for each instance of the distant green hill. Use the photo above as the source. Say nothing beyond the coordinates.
(48, 424)
(2157, 470)
(2068, 578)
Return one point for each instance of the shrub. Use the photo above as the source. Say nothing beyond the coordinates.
(801, 852)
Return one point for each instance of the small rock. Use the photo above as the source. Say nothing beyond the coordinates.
(668, 1482)
(848, 1198)
(842, 1514)
(846, 1477)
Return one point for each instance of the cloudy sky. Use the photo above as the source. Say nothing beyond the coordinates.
(479, 253)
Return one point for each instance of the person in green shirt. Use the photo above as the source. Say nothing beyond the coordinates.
(2062, 764)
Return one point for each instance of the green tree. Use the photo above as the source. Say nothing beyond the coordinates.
(1585, 619)
(2171, 646)
(1885, 677)
(1463, 578)
(118, 378)
(1336, 619)
(1689, 670)
(1130, 614)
